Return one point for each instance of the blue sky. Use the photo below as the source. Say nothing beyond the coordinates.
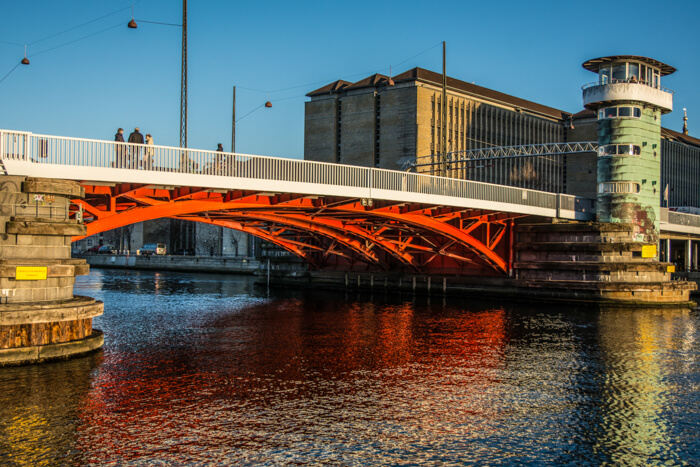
(281, 50)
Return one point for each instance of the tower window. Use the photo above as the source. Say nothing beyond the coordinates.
(619, 150)
(618, 187)
(619, 112)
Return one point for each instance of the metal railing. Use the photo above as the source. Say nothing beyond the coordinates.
(44, 211)
(626, 81)
(43, 149)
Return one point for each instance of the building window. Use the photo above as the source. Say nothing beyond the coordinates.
(619, 150)
(618, 187)
(619, 112)
(629, 72)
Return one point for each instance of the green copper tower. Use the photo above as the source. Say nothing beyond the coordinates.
(629, 101)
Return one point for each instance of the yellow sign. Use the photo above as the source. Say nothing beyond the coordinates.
(670, 269)
(25, 273)
(648, 251)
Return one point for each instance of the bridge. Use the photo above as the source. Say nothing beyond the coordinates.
(333, 216)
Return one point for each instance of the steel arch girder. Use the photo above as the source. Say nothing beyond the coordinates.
(387, 246)
(260, 234)
(428, 223)
(311, 226)
(176, 209)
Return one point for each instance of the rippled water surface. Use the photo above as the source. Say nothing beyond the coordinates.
(209, 370)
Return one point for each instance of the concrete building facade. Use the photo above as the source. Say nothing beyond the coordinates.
(390, 123)
(395, 123)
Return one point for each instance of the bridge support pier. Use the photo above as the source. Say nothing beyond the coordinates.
(40, 318)
(600, 262)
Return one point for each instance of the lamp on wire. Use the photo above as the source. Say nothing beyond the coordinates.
(132, 23)
(25, 60)
(268, 104)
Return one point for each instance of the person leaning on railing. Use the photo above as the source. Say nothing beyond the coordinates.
(120, 149)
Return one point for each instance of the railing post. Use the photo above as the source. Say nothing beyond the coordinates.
(26, 146)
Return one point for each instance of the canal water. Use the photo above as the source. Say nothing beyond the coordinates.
(203, 369)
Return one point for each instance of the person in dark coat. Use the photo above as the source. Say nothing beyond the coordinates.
(119, 149)
(219, 160)
(136, 138)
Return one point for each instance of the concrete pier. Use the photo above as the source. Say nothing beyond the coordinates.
(40, 318)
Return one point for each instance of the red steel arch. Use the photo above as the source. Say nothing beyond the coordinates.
(327, 232)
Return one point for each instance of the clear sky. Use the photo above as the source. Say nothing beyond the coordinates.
(95, 77)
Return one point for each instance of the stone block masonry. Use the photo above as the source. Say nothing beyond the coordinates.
(40, 318)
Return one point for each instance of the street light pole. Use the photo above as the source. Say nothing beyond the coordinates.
(443, 165)
(233, 123)
(183, 80)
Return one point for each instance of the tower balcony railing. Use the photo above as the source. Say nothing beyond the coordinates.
(629, 81)
(627, 90)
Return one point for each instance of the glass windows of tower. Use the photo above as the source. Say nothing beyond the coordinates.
(619, 72)
(622, 111)
(633, 71)
(629, 72)
(619, 150)
(618, 187)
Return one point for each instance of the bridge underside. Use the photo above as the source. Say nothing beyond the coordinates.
(329, 233)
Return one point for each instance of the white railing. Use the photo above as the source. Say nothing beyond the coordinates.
(616, 81)
(43, 149)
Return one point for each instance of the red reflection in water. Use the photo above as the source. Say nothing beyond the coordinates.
(286, 373)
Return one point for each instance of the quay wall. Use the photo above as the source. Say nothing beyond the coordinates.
(215, 264)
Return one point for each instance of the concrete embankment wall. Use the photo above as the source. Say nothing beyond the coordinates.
(175, 263)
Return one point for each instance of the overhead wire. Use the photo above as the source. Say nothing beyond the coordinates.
(78, 26)
(79, 39)
(8, 74)
(326, 81)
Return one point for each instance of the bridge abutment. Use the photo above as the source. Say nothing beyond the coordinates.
(40, 318)
(595, 261)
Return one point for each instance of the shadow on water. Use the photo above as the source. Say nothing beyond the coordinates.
(201, 368)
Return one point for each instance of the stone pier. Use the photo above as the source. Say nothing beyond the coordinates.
(40, 318)
(595, 262)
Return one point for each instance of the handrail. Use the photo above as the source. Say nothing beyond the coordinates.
(46, 149)
(598, 83)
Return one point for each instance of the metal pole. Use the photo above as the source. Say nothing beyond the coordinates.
(183, 79)
(233, 123)
(443, 167)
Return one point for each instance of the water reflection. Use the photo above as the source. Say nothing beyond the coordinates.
(208, 369)
(39, 410)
